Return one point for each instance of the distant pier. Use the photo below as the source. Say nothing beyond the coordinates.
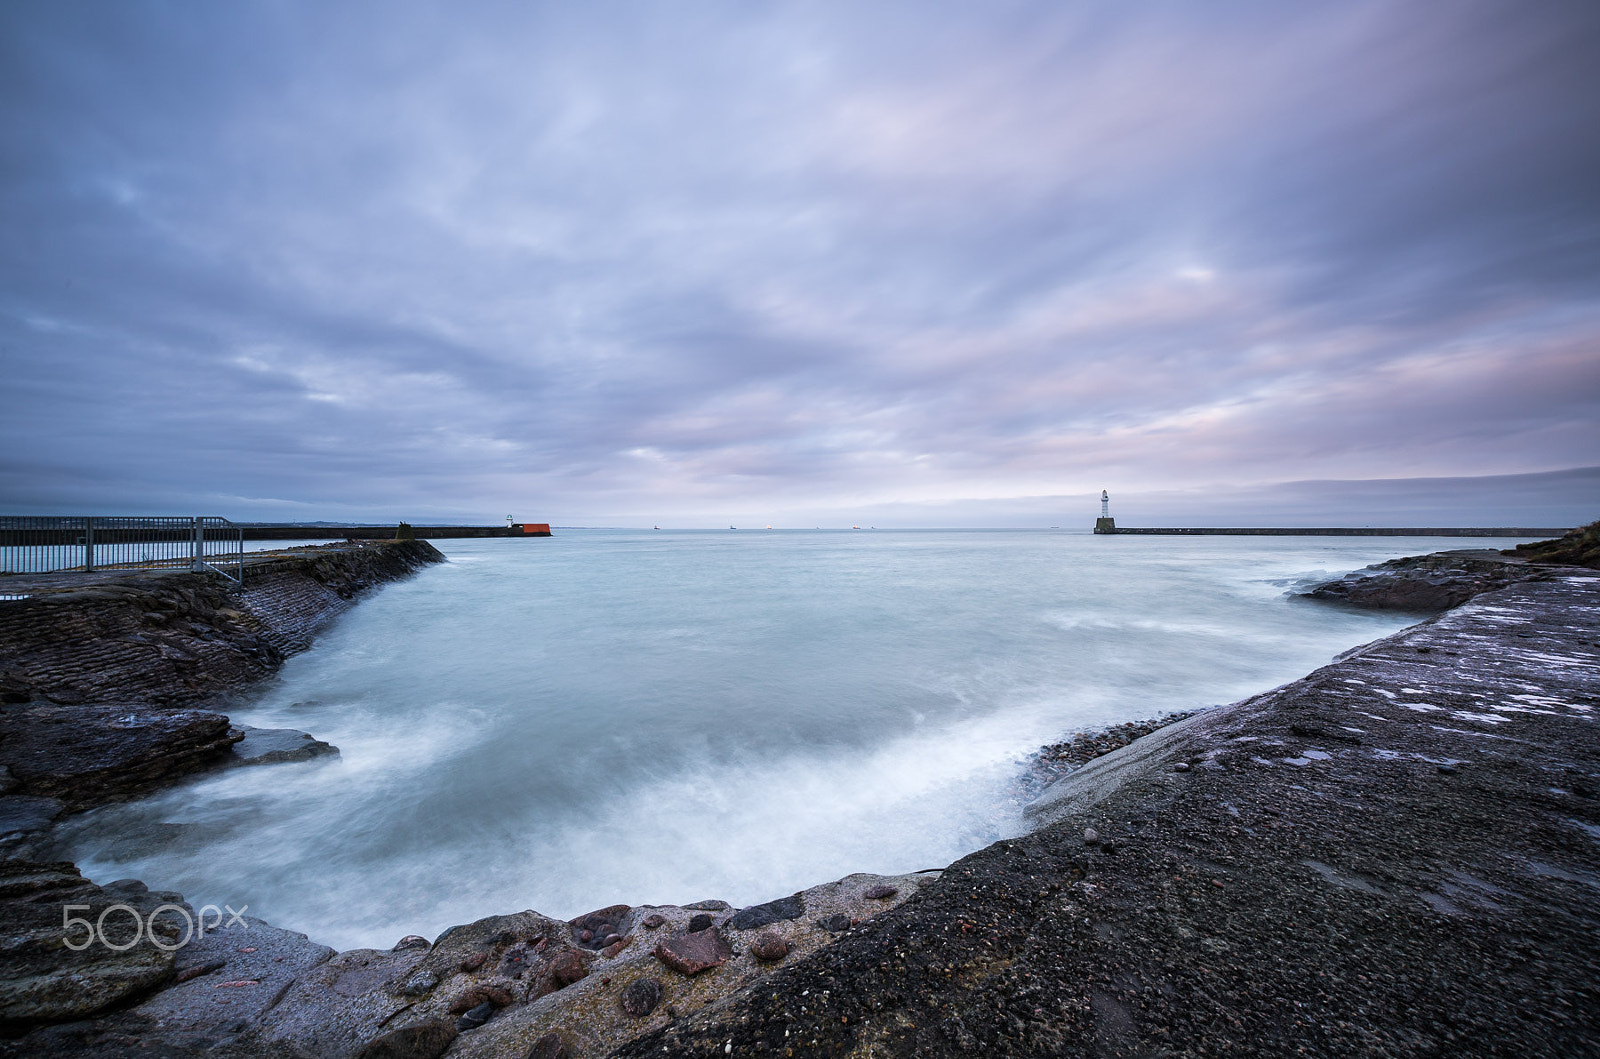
(1107, 526)
(383, 533)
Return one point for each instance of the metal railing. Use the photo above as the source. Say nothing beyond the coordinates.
(37, 544)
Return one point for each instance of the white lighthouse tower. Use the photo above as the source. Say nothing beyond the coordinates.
(1105, 523)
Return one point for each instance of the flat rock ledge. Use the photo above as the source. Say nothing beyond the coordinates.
(1397, 855)
(1426, 584)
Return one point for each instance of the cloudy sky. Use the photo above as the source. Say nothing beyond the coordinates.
(684, 262)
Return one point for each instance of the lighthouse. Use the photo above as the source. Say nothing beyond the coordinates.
(1105, 523)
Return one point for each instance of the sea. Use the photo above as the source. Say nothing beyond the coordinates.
(651, 717)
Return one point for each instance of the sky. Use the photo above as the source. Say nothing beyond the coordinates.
(686, 263)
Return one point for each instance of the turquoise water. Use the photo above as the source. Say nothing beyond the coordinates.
(622, 716)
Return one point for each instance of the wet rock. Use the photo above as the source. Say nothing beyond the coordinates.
(653, 921)
(410, 941)
(699, 923)
(424, 1040)
(1425, 583)
(25, 821)
(836, 923)
(420, 984)
(1182, 766)
(193, 971)
(476, 1017)
(709, 906)
(41, 980)
(272, 746)
(1090, 836)
(89, 755)
(641, 997)
(881, 893)
(693, 953)
(783, 908)
(550, 1046)
(768, 947)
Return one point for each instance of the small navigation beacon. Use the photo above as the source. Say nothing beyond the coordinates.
(1105, 523)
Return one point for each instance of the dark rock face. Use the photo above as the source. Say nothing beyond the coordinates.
(1292, 893)
(99, 672)
(694, 953)
(88, 755)
(699, 923)
(641, 997)
(42, 979)
(426, 1040)
(791, 907)
(1425, 583)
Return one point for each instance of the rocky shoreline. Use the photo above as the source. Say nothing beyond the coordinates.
(1336, 865)
(112, 684)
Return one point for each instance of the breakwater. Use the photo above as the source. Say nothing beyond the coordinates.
(1104, 527)
(256, 532)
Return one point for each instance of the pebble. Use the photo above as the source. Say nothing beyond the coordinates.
(411, 941)
(835, 923)
(475, 961)
(641, 997)
(568, 968)
(1182, 766)
(769, 947)
(700, 922)
(471, 1020)
(585, 935)
(880, 893)
(1090, 836)
(653, 921)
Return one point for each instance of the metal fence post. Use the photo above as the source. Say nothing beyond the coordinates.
(88, 545)
(199, 543)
